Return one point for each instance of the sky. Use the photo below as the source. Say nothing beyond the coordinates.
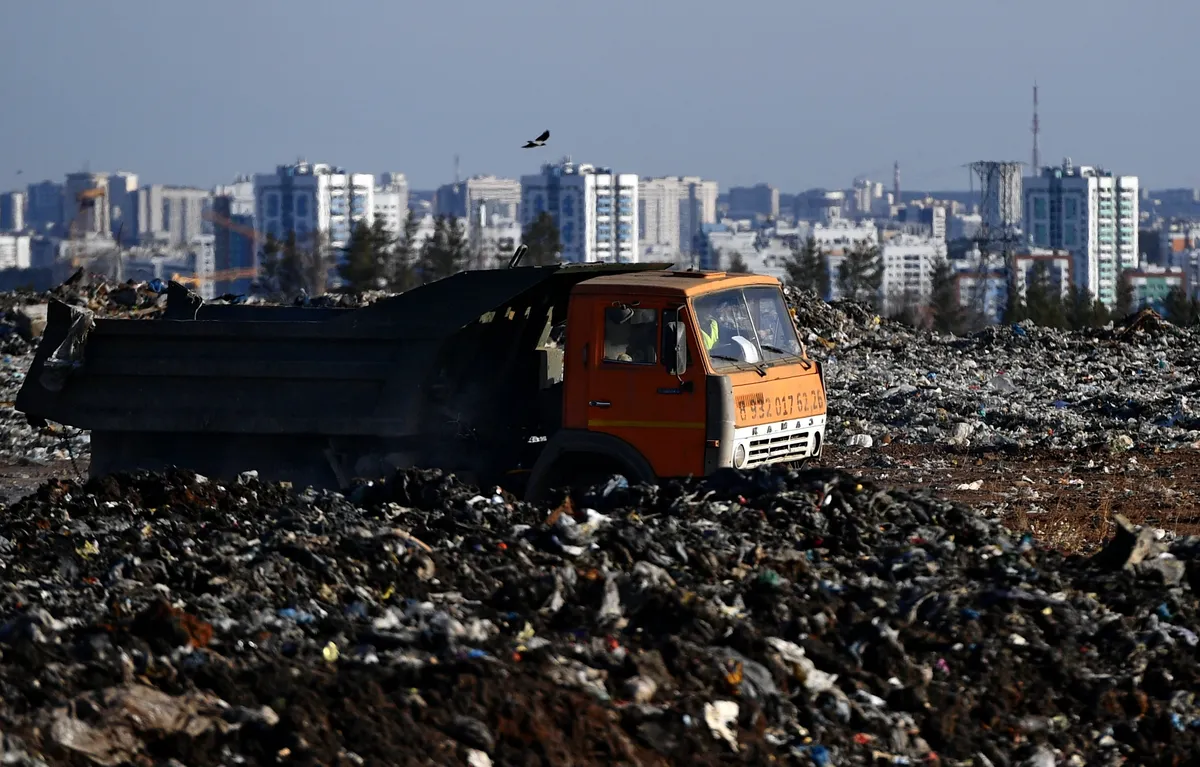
(796, 93)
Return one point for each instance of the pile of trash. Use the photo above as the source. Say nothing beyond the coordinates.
(803, 617)
(1006, 385)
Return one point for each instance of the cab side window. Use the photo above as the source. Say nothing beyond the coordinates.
(630, 335)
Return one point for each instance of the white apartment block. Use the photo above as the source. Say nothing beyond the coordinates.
(240, 194)
(391, 201)
(1091, 213)
(720, 243)
(15, 251)
(672, 210)
(595, 210)
(306, 198)
(12, 212)
(391, 207)
(908, 263)
(659, 202)
(841, 235)
(490, 195)
(171, 215)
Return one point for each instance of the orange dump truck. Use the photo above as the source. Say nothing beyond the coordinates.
(530, 378)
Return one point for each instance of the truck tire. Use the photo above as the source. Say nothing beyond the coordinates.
(579, 459)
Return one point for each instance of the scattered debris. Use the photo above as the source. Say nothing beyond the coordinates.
(806, 617)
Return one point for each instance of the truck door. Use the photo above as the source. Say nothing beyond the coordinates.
(633, 396)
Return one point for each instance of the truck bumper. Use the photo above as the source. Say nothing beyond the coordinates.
(794, 439)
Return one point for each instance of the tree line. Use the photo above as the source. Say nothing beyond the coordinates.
(859, 276)
(376, 258)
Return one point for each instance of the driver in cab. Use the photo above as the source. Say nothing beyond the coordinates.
(720, 326)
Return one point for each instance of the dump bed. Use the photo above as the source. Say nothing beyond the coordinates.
(292, 370)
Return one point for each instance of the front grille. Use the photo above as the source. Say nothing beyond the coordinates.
(785, 446)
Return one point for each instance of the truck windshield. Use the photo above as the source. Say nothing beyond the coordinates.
(744, 326)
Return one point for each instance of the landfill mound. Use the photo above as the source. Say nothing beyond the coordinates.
(1020, 385)
(805, 618)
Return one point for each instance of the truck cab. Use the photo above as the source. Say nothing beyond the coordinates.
(680, 373)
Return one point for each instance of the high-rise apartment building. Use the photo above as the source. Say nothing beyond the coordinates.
(495, 196)
(391, 201)
(1092, 214)
(758, 201)
(659, 203)
(12, 212)
(672, 210)
(595, 210)
(697, 207)
(313, 197)
(171, 215)
(44, 206)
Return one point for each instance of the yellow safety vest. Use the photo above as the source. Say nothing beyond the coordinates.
(710, 338)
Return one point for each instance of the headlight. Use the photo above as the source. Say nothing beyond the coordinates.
(739, 456)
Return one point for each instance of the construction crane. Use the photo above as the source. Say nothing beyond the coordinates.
(218, 220)
(225, 275)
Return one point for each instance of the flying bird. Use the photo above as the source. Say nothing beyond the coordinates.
(539, 141)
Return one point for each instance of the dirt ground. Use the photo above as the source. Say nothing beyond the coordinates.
(1066, 499)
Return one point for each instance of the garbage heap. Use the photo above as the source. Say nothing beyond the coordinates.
(1007, 385)
(772, 617)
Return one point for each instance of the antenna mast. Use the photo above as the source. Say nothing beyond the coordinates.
(1037, 160)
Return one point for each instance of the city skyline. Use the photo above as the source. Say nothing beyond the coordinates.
(933, 85)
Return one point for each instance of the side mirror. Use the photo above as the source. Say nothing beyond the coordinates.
(676, 351)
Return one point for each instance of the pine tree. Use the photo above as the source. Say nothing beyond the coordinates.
(1082, 310)
(445, 253)
(313, 263)
(737, 264)
(1043, 303)
(458, 245)
(368, 256)
(1125, 297)
(358, 267)
(1181, 309)
(541, 238)
(860, 274)
(290, 272)
(402, 270)
(807, 268)
(269, 260)
(945, 305)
